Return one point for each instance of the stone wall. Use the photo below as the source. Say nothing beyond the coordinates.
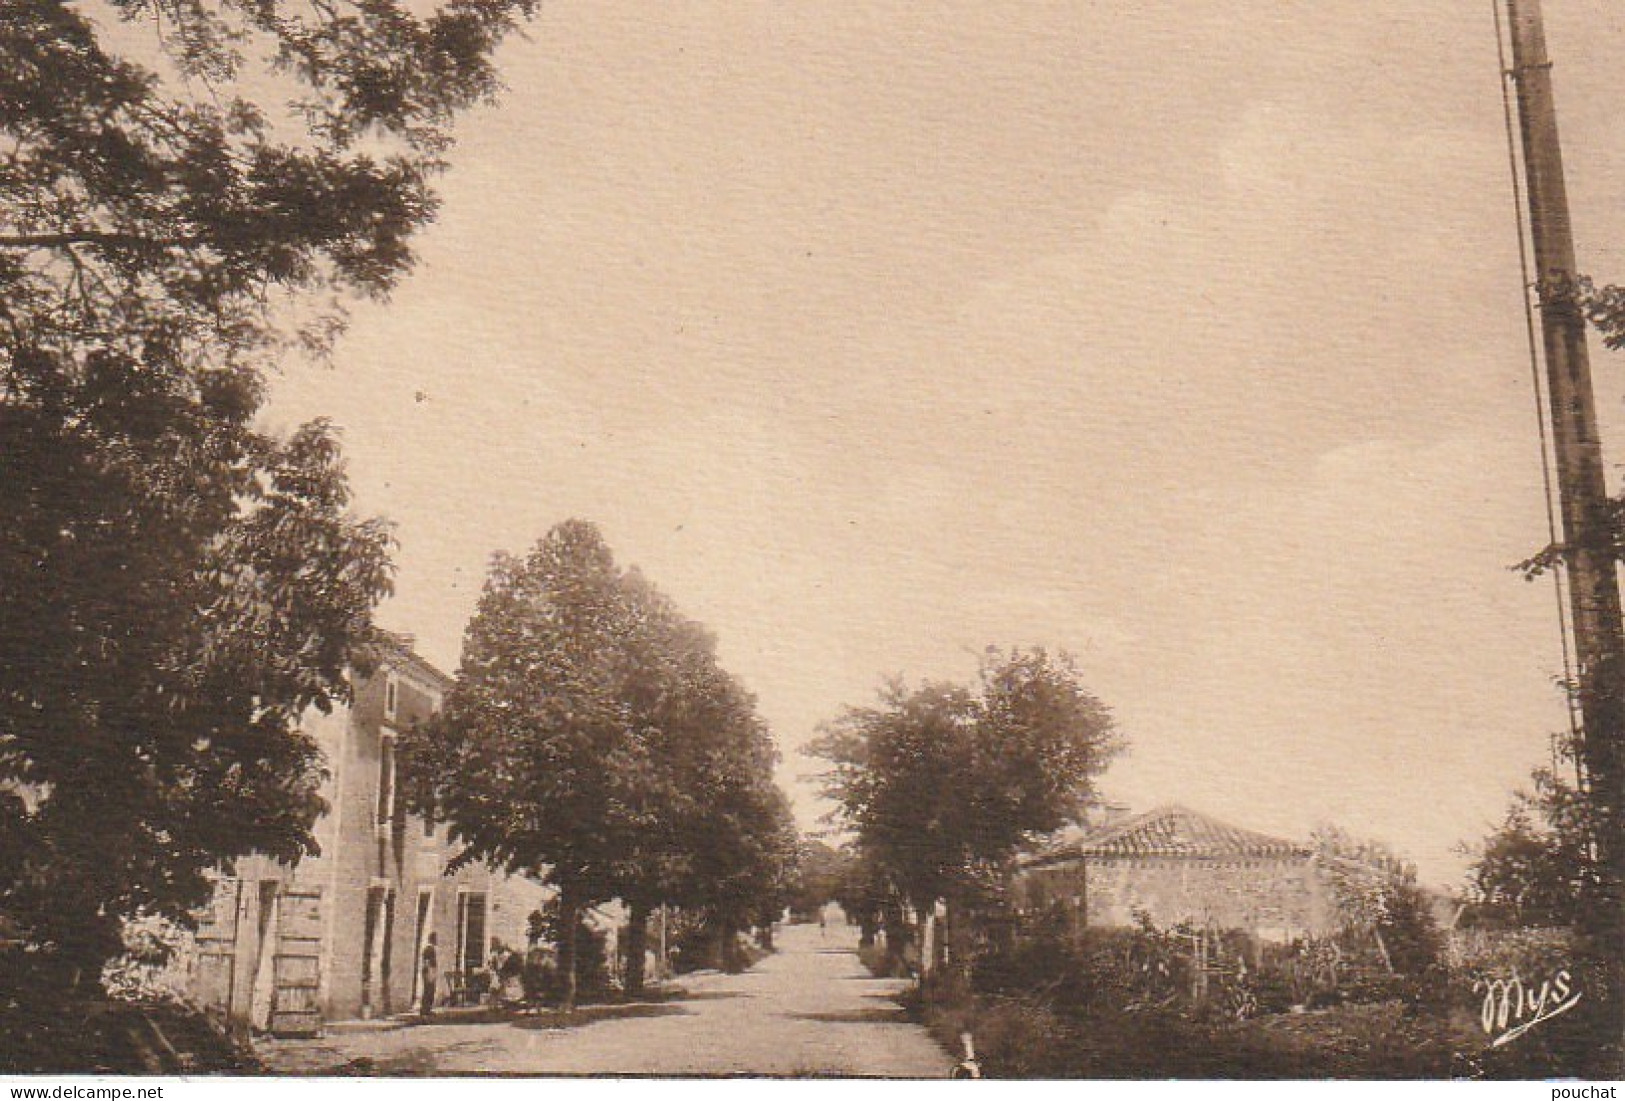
(1275, 898)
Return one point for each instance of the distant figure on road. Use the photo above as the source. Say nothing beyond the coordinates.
(823, 922)
(430, 968)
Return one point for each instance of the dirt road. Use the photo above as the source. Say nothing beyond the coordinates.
(809, 1009)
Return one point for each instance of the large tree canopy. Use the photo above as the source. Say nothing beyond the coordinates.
(593, 741)
(942, 783)
(177, 587)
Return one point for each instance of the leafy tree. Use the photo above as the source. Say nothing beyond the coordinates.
(716, 827)
(592, 741)
(899, 778)
(731, 830)
(707, 797)
(820, 872)
(1533, 869)
(864, 892)
(177, 588)
(1379, 901)
(943, 784)
(669, 658)
(744, 858)
(534, 761)
(152, 698)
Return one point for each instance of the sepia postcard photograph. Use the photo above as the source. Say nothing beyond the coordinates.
(1027, 539)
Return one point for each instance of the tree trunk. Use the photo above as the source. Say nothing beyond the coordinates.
(943, 927)
(728, 948)
(570, 915)
(898, 938)
(637, 943)
(956, 941)
(934, 976)
(1382, 948)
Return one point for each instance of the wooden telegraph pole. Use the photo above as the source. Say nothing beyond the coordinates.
(1594, 603)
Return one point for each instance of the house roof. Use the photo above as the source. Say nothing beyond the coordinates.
(398, 653)
(1172, 830)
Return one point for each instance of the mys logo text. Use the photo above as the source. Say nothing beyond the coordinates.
(1512, 1007)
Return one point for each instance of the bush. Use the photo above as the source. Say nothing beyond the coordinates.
(1533, 955)
(592, 960)
(1014, 1037)
(538, 974)
(45, 1034)
(1410, 932)
(1476, 953)
(153, 966)
(1051, 967)
(878, 960)
(540, 977)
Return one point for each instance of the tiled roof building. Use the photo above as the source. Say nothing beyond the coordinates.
(1176, 865)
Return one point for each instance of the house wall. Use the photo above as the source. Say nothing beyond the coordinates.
(1274, 898)
(359, 898)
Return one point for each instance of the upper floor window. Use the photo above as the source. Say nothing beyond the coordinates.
(386, 779)
(392, 693)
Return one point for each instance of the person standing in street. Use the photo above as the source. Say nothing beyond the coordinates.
(430, 968)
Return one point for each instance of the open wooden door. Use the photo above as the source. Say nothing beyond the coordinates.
(215, 978)
(296, 967)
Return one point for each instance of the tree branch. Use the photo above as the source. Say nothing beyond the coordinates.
(69, 238)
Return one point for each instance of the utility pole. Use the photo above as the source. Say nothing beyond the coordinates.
(1594, 602)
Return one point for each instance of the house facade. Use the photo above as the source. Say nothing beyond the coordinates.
(1178, 866)
(341, 935)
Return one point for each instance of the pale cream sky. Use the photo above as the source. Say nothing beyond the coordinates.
(1183, 336)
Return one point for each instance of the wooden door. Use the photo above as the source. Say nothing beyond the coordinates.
(215, 977)
(296, 967)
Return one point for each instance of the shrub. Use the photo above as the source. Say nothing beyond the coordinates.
(539, 974)
(1050, 966)
(1015, 1037)
(153, 966)
(877, 960)
(1476, 953)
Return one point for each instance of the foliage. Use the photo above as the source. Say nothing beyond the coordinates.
(723, 839)
(537, 973)
(592, 957)
(175, 592)
(820, 875)
(148, 201)
(942, 784)
(153, 963)
(1015, 1035)
(176, 587)
(1034, 1028)
(1489, 952)
(876, 960)
(1532, 870)
(44, 1032)
(592, 740)
(1379, 902)
(1059, 1002)
(533, 761)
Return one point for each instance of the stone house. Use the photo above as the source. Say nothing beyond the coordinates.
(1176, 865)
(341, 935)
